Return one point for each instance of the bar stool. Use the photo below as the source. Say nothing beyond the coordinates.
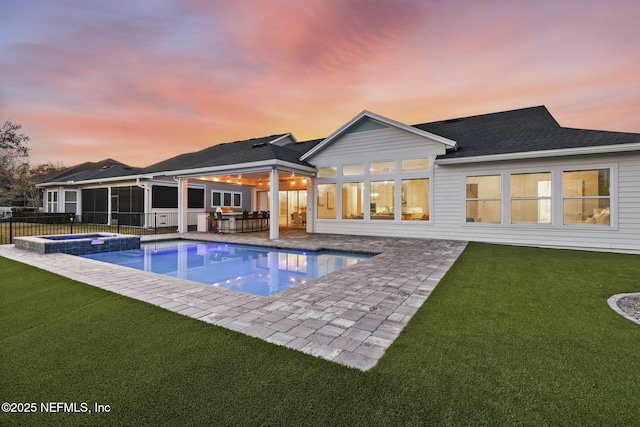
(255, 224)
(245, 218)
(221, 220)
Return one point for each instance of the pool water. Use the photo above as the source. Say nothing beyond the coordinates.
(255, 270)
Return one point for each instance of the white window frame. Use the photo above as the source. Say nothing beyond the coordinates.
(232, 195)
(396, 177)
(74, 202)
(613, 199)
(465, 199)
(557, 196)
(52, 201)
(508, 190)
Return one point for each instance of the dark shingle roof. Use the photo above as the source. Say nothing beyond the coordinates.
(103, 169)
(230, 153)
(304, 146)
(516, 131)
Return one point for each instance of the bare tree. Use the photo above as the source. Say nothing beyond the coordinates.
(14, 163)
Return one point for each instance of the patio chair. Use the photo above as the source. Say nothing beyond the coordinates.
(295, 218)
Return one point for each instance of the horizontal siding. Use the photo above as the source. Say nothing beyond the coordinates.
(383, 144)
(449, 221)
(448, 186)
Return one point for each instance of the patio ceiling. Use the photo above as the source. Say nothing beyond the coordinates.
(255, 179)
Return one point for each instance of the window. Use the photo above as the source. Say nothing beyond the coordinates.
(327, 171)
(164, 197)
(531, 198)
(383, 167)
(52, 201)
(326, 201)
(216, 198)
(70, 201)
(226, 199)
(483, 199)
(410, 165)
(415, 199)
(586, 197)
(348, 170)
(382, 198)
(353, 200)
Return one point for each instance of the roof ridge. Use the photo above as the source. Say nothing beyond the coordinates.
(455, 119)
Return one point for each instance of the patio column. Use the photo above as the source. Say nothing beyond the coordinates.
(183, 203)
(274, 189)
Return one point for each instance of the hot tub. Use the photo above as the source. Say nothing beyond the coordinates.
(78, 244)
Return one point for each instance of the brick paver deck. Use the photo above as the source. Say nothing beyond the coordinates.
(350, 316)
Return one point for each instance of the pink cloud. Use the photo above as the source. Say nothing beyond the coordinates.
(146, 84)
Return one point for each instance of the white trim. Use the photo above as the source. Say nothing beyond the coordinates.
(384, 120)
(95, 181)
(288, 135)
(601, 149)
(222, 193)
(557, 198)
(261, 166)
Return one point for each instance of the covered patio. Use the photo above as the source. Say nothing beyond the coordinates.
(289, 186)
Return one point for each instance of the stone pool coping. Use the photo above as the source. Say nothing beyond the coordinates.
(349, 317)
(78, 244)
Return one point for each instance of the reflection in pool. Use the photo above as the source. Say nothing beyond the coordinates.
(252, 269)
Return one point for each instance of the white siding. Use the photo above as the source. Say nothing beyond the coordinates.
(449, 220)
(364, 147)
(448, 216)
(383, 144)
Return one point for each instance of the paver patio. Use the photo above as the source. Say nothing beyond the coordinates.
(350, 316)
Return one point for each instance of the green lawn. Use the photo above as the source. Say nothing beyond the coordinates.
(511, 336)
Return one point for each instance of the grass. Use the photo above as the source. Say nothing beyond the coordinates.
(511, 336)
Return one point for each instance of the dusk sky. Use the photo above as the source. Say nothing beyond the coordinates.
(142, 81)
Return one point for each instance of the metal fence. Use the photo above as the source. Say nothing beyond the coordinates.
(125, 223)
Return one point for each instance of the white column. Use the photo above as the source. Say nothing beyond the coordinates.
(311, 198)
(274, 228)
(183, 204)
(109, 206)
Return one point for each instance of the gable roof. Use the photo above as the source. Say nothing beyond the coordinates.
(231, 153)
(380, 119)
(103, 169)
(521, 133)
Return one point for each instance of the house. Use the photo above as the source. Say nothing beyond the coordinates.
(513, 177)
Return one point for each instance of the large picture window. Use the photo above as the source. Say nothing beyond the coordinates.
(415, 199)
(586, 197)
(484, 199)
(327, 201)
(531, 198)
(382, 198)
(353, 200)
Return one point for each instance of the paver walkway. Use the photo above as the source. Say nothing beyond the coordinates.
(350, 316)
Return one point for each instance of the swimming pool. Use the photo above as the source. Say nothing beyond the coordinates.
(255, 270)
